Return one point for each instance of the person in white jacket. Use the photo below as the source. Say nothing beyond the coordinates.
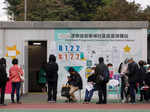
(124, 80)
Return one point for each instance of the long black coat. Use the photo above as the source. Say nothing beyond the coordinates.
(147, 78)
(133, 71)
(141, 75)
(3, 74)
(51, 70)
(102, 69)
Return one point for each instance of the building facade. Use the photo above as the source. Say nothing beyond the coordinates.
(75, 43)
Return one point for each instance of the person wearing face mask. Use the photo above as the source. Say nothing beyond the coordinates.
(110, 68)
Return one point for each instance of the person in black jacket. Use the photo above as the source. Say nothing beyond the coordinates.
(102, 71)
(3, 79)
(132, 78)
(141, 78)
(75, 82)
(51, 70)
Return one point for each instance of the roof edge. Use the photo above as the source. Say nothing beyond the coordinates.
(73, 24)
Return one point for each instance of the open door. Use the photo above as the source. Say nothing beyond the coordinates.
(37, 54)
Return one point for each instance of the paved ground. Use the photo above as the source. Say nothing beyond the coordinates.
(38, 103)
(65, 106)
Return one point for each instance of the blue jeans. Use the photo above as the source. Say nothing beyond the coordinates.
(88, 95)
(15, 86)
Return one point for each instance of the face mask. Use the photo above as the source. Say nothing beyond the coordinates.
(110, 68)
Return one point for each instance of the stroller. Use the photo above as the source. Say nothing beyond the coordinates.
(146, 92)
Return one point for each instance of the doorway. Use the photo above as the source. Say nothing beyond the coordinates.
(37, 54)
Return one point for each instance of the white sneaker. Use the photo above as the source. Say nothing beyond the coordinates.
(51, 101)
(123, 101)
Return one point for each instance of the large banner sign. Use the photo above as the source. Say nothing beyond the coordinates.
(81, 48)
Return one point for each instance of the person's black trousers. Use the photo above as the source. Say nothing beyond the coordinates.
(132, 91)
(102, 93)
(52, 91)
(3, 86)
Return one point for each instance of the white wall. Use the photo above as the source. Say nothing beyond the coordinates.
(19, 37)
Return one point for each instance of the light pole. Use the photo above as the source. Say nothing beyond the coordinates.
(25, 10)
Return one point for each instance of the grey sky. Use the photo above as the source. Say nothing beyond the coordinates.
(3, 15)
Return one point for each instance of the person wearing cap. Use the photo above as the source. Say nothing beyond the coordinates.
(51, 69)
(132, 74)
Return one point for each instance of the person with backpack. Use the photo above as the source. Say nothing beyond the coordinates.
(51, 70)
(102, 78)
(3, 80)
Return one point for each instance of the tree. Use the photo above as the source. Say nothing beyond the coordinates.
(146, 13)
(55, 10)
(50, 10)
(85, 9)
(13, 8)
(118, 10)
(77, 10)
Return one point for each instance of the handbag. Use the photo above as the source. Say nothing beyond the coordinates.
(21, 77)
(99, 79)
(65, 91)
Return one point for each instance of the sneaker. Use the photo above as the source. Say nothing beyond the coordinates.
(99, 103)
(19, 102)
(3, 104)
(86, 102)
(51, 101)
(66, 101)
(13, 102)
(123, 101)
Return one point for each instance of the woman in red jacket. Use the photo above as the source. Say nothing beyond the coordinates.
(15, 73)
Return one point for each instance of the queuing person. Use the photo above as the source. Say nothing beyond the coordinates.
(102, 73)
(75, 82)
(110, 68)
(51, 70)
(42, 77)
(15, 73)
(147, 77)
(146, 87)
(3, 80)
(132, 78)
(90, 87)
(124, 80)
(141, 77)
